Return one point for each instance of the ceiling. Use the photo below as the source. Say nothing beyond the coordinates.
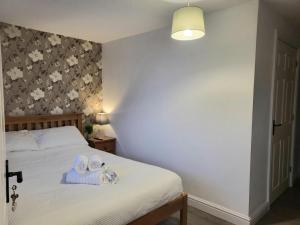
(98, 20)
(290, 9)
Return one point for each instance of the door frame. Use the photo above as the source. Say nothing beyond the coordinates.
(291, 175)
(3, 205)
(297, 80)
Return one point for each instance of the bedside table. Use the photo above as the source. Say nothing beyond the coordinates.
(107, 144)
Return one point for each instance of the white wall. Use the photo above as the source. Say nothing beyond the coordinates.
(268, 22)
(187, 106)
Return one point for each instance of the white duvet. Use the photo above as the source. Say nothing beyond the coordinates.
(45, 200)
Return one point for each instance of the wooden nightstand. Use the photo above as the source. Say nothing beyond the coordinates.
(107, 144)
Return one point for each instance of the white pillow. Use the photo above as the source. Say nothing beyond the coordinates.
(60, 136)
(17, 141)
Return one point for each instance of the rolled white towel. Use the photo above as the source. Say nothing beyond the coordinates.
(80, 164)
(95, 163)
(93, 178)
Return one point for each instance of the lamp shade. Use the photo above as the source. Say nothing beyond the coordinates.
(188, 24)
(102, 118)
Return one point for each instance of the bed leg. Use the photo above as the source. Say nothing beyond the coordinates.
(183, 211)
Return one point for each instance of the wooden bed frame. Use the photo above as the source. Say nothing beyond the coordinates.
(75, 119)
(43, 122)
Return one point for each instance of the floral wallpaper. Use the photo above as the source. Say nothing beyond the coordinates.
(46, 73)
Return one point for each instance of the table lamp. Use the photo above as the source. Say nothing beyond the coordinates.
(102, 118)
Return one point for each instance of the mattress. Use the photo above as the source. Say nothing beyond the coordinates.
(46, 200)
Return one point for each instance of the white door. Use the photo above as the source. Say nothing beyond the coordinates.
(283, 108)
(3, 215)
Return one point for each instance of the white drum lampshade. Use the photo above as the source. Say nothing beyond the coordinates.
(102, 118)
(188, 24)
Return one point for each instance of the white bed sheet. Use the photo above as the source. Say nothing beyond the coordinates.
(45, 200)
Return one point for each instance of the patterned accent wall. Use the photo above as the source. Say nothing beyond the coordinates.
(46, 73)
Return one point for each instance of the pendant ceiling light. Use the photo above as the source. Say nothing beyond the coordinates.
(188, 23)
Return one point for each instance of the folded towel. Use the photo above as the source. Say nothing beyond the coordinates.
(94, 178)
(80, 164)
(95, 163)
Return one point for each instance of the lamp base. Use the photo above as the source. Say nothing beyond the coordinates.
(98, 132)
(99, 138)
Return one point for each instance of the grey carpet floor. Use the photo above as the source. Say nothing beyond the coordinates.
(284, 211)
(196, 217)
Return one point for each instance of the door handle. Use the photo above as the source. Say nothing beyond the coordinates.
(274, 126)
(8, 174)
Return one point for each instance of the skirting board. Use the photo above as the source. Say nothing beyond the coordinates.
(225, 213)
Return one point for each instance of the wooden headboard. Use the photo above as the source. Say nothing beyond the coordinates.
(43, 122)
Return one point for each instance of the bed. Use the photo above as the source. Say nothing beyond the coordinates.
(144, 195)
